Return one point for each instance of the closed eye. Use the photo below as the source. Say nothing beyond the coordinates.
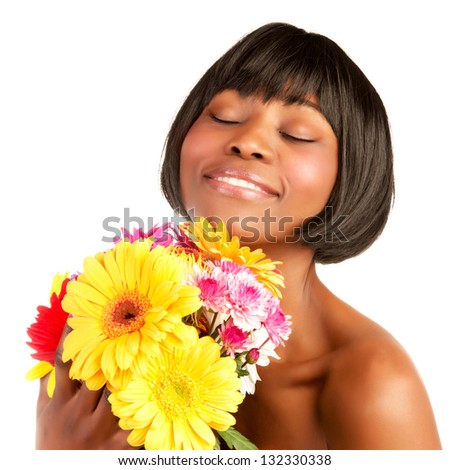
(295, 138)
(221, 120)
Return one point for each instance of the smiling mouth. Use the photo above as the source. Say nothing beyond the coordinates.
(239, 187)
(239, 183)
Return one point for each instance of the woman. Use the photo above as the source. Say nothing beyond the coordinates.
(285, 139)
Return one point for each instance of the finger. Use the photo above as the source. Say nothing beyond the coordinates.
(119, 440)
(88, 400)
(65, 387)
(43, 397)
(103, 410)
(110, 424)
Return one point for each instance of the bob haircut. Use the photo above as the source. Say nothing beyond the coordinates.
(281, 61)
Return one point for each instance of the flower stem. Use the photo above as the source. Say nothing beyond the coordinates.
(212, 326)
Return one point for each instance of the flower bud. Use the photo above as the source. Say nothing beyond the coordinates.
(252, 356)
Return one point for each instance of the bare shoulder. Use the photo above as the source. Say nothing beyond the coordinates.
(374, 398)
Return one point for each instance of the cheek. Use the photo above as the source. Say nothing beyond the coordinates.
(191, 158)
(312, 182)
(185, 178)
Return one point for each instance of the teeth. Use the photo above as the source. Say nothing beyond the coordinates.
(238, 182)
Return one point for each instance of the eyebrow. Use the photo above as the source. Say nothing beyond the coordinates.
(312, 105)
(302, 102)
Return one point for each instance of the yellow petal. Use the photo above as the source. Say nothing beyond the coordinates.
(96, 381)
(39, 370)
(123, 356)
(121, 252)
(97, 276)
(58, 279)
(202, 430)
(91, 357)
(133, 342)
(182, 336)
(86, 291)
(51, 383)
(180, 436)
(146, 414)
(154, 439)
(136, 437)
(108, 361)
(113, 271)
(81, 307)
(217, 419)
(78, 339)
(131, 270)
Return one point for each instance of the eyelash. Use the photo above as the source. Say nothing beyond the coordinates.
(222, 121)
(284, 134)
(296, 139)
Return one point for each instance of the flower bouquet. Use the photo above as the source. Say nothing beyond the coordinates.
(175, 323)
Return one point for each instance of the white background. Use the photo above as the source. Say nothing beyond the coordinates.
(87, 93)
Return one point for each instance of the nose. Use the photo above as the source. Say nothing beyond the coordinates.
(249, 142)
(242, 153)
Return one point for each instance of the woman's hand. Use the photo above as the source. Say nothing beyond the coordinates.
(75, 417)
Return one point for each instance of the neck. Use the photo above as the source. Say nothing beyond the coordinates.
(302, 288)
(299, 273)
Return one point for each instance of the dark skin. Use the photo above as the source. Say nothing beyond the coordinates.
(75, 417)
(342, 381)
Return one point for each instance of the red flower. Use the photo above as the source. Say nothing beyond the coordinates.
(46, 331)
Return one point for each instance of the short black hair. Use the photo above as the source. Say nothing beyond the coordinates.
(281, 61)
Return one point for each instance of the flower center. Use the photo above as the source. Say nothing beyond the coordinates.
(125, 313)
(176, 394)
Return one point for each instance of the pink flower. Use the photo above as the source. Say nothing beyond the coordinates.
(213, 287)
(183, 241)
(213, 292)
(247, 301)
(260, 340)
(135, 235)
(230, 267)
(253, 356)
(277, 324)
(233, 338)
(161, 234)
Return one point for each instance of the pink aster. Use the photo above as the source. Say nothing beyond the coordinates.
(161, 234)
(277, 324)
(131, 235)
(233, 338)
(213, 289)
(247, 301)
(230, 267)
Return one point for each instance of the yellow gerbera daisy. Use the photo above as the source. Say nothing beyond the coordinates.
(126, 302)
(216, 243)
(181, 396)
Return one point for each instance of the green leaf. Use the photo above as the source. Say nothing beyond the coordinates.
(217, 444)
(235, 440)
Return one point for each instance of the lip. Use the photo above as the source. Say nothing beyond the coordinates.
(259, 188)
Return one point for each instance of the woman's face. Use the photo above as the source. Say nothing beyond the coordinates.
(261, 167)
